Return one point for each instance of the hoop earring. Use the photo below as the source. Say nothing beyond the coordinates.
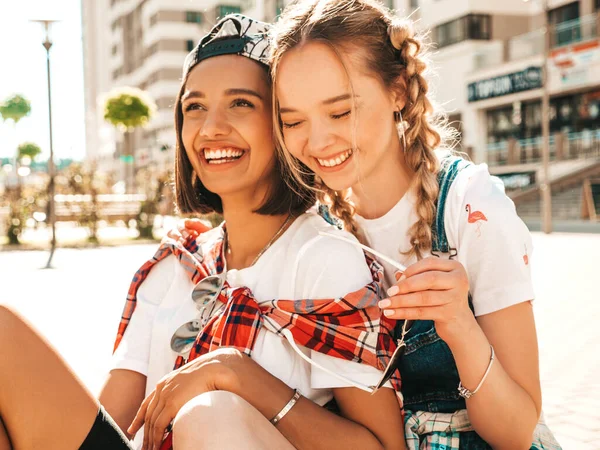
(402, 126)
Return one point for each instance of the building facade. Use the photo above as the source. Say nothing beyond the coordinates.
(488, 57)
(490, 62)
(140, 43)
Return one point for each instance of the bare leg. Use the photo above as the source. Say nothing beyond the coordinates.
(226, 421)
(42, 403)
(4, 441)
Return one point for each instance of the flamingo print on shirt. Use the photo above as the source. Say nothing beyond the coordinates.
(475, 217)
(526, 257)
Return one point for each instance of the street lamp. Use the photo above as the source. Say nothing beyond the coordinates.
(51, 169)
(545, 191)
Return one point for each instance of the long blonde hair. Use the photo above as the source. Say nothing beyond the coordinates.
(394, 54)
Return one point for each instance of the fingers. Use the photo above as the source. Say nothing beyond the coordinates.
(434, 313)
(174, 234)
(432, 263)
(431, 280)
(152, 406)
(160, 420)
(421, 299)
(138, 420)
(186, 229)
(195, 225)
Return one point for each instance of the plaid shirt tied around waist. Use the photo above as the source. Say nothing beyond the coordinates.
(349, 327)
(426, 430)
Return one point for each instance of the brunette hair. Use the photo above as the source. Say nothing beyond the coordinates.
(191, 196)
(396, 56)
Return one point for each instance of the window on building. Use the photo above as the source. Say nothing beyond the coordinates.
(565, 27)
(478, 26)
(153, 19)
(500, 125)
(564, 13)
(114, 50)
(193, 17)
(189, 45)
(223, 10)
(472, 26)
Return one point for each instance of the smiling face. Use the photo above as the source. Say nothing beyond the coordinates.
(227, 125)
(336, 118)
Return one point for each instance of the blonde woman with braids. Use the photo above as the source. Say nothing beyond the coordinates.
(351, 106)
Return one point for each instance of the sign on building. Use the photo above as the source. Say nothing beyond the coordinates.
(524, 80)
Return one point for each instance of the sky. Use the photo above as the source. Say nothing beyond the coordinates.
(23, 71)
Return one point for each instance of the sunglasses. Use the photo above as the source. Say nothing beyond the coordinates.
(205, 296)
(387, 373)
(400, 343)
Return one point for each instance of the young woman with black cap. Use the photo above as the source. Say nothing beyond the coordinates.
(252, 369)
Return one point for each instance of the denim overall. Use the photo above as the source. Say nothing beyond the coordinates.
(429, 374)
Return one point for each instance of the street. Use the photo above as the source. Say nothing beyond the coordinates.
(77, 306)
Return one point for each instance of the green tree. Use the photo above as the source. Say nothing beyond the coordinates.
(128, 108)
(28, 149)
(15, 108)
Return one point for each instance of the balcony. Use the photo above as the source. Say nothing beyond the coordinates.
(563, 146)
(526, 45)
(531, 44)
(574, 31)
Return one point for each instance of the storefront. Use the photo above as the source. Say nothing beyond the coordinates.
(522, 120)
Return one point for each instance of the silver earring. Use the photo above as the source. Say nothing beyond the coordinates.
(402, 126)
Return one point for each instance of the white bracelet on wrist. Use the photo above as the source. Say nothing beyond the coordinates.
(466, 393)
(281, 414)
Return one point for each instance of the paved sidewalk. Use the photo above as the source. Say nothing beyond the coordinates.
(87, 290)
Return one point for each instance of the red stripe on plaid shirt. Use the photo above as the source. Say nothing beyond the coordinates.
(336, 327)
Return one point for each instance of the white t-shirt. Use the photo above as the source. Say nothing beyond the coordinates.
(493, 244)
(300, 264)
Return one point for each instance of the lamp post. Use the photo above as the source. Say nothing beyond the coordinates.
(545, 190)
(51, 169)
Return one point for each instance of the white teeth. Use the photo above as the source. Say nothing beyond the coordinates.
(217, 154)
(335, 161)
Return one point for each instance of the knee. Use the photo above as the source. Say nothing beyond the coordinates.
(217, 419)
(8, 318)
(209, 411)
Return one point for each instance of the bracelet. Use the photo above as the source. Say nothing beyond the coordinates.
(286, 409)
(464, 392)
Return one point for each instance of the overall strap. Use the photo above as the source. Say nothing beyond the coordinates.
(450, 166)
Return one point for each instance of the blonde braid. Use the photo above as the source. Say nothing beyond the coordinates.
(421, 137)
(390, 51)
(340, 207)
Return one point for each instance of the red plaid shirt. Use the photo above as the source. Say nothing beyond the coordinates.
(337, 327)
